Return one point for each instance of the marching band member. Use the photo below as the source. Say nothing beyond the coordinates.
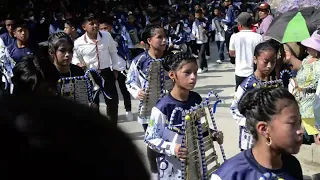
(60, 49)
(265, 60)
(123, 55)
(32, 76)
(219, 34)
(155, 38)
(199, 30)
(98, 51)
(273, 118)
(174, 32)
(183, 72)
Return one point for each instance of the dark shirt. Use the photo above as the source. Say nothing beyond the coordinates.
(7, 39)
(17, 53)
(244, 167)
(74, 71)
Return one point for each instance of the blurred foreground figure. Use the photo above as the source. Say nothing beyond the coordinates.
(51, 138)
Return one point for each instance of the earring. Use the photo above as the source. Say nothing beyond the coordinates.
(269, 141)
(173, 80)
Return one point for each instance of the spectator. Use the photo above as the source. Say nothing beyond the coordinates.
(266, 18)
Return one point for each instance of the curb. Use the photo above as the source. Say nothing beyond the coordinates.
(310, 153)
(309, 158)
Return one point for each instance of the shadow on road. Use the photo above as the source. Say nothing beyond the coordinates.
(136, 135)
(216, 88)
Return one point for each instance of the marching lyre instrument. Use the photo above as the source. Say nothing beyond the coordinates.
(134, 36)
(79, 88)
(201, 34)
(85, 68)
(197, 135)
(217, 25)
(156, 85)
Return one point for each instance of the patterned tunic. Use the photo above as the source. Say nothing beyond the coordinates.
(245, 138)
(161, 139)
(308, 75)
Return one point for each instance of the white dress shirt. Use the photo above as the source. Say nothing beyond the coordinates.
(97, 55)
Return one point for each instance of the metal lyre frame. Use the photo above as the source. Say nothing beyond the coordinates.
(74, 93)
(269, 176)
(198, 139)
(200, 30)
(212, 112)
(134, 36)
(158, 86)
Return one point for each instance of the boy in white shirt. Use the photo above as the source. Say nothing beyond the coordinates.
(242, 45)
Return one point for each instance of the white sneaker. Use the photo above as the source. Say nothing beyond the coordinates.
(219, 61)
(204, 70)
(200, 71)
(129, 116)
(207, 57)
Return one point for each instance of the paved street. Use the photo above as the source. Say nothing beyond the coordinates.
(220, 78)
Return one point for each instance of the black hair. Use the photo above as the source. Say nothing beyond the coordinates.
(10, 17)
(88, 18)
(154, 18)
(216, 7)
(269, 45)
(149, 32)
(107, 20)
(260, 105)
(174, 62)
(199, 11)
(71, 22)
(20, 24)
(30, 72)
(55, 40)
(47, 137)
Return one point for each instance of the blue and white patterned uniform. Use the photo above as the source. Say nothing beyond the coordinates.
(244, 167)
(136, 78)
(162, 140)
(246, 140)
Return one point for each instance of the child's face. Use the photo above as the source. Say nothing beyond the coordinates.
(216, 12)
(21, 34)
(9, 24)
(91, 26)
(131, 19)
(198, 15)
(266, 62)
(285, 127)
(64, 54)
(68, 29)
(105, 27)
(191, 17)
(186, 76)
(158, 41)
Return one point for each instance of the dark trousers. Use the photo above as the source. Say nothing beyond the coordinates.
(220, 46)
(124, 91)
(207, 46)
(111, 90)
(152, 155)
(202, 56)
(193, 46)
(239, 80)
(228, 35)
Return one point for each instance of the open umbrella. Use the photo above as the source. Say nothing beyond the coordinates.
(294, 25)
